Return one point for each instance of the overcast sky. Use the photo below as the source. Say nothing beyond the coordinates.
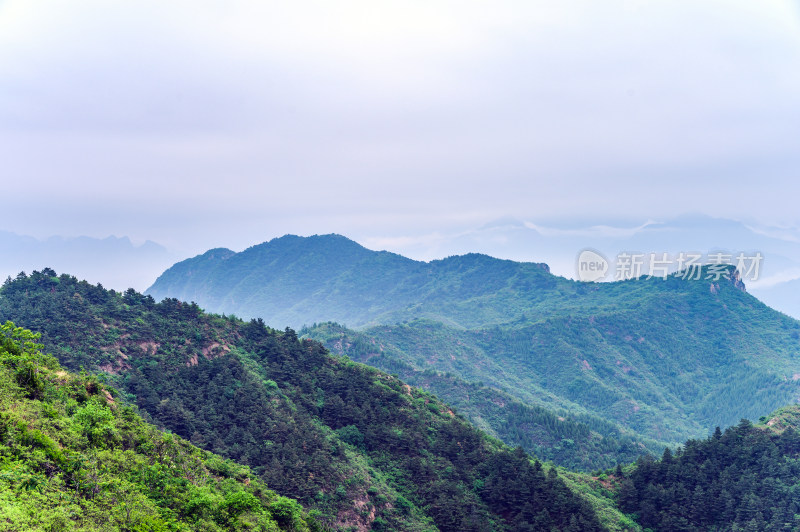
(200, 124)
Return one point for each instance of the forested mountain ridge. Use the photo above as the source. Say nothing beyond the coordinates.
(72, 457)
(360, 447)
(301, 280)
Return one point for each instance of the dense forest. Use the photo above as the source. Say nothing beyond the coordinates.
(74, 457)
(358, 446)
(743, 479)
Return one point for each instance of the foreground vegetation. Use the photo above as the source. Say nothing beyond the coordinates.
(72, 457)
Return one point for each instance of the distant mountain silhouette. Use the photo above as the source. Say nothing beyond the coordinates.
(114, 262)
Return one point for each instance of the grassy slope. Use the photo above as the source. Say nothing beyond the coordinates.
(601, 492)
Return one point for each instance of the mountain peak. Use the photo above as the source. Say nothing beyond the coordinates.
(290, 241)
(218, 253)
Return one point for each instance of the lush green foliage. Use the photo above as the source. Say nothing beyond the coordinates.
(357, 445)
(73, 458)
(743, 479)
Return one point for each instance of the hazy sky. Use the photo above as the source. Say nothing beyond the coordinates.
(198, 124)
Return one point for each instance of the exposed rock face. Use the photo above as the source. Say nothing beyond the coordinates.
(736, 281)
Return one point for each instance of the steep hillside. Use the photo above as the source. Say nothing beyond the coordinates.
(361, 447)
(72, 457)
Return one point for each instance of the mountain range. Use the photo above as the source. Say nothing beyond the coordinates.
(118, 263)
(661, 360)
